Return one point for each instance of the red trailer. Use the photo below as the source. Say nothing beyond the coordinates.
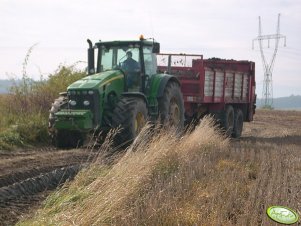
(223, 88)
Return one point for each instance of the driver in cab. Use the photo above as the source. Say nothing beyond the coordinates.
(131, 67)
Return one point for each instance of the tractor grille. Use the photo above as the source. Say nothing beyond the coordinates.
(80, 98)
(80, 102)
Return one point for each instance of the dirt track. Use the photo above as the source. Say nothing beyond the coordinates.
(31, 167)
(27, 176)
(17, 166)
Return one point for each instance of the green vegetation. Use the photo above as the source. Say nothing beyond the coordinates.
(24, 110)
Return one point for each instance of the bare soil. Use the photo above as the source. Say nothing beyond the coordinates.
(17, 166)
(27, 176)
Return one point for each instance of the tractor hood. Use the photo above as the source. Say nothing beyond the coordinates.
(97, 80)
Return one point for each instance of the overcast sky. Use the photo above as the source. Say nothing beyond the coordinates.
(223, 29)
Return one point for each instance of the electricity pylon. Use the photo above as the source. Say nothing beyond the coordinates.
(267, 91)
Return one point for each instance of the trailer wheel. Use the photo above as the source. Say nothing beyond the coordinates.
(130, 114)
(171, 106)
(238, 123)
(227, 120)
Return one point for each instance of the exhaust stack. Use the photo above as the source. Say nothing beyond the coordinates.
(91, 66)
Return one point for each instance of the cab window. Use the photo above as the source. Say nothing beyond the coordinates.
(150, 61)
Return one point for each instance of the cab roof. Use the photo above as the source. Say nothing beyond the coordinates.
(122, 43)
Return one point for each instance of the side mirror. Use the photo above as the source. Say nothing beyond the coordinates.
(156, 47)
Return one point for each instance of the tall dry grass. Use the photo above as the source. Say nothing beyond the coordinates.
(197, 179)
(152, 184)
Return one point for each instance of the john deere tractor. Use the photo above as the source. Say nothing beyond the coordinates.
(115, 95)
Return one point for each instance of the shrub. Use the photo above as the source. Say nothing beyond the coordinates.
(24, 111)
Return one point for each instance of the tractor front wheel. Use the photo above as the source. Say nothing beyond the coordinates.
(60, 103)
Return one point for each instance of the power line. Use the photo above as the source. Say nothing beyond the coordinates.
(267, 91)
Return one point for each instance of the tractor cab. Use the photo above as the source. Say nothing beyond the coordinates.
(135, 59)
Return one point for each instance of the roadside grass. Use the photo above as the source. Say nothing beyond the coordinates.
(196, 179)
(24, 111)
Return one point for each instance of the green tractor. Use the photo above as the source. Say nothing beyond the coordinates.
(122, 90)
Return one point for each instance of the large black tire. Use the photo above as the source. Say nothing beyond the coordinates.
(60, 103)
(238, 123)
(171, 106)
(130, 115)
(227, 120)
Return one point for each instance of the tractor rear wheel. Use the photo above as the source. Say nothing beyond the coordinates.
(227, 120)
(171, 106)
(238, 123)
(130, 115)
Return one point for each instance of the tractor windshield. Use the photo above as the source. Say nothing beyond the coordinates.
(125, 58)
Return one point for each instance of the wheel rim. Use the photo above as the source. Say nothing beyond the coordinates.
(174, 113)
(139, 122)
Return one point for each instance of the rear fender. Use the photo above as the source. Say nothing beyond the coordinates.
(156, 91)
(159, 83)
(164, 82)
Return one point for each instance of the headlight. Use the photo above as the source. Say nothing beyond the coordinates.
(91, 92)
(86, 103)
(72, 102)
